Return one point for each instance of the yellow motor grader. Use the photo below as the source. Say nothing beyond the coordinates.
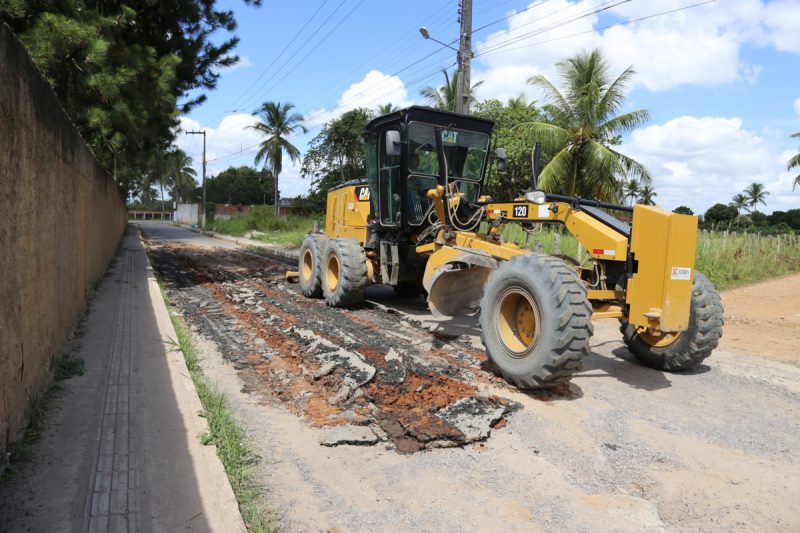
(419, 222)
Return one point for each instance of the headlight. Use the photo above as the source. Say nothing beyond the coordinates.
(536, 197)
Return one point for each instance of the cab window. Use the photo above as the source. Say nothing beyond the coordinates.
(388, 184)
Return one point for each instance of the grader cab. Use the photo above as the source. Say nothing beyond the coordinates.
(419, 223)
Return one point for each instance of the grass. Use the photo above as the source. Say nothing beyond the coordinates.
(729, 260)
(286, 230)
(233, 446)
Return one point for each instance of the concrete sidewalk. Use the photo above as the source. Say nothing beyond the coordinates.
(121, 451)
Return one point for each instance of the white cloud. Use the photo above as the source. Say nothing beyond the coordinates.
(376, 88)
(233, 143)
(698, 46)
(699, 161)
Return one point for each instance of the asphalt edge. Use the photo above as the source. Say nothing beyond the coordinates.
(219, 501)
(273, 250)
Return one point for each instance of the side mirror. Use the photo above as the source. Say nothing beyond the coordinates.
(502, 162)
(392, 143)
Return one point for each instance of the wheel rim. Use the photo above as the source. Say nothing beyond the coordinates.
(658, 340)
(307, 269)
(332, 272)
(517, 321)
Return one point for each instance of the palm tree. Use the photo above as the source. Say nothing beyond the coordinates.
(182, 174)
(794, 162)
(630, 190)
(444, 98)
(740, 202)
(646, 195)
(385, 109)
(582, 129)
(276, 123)
(755, 195)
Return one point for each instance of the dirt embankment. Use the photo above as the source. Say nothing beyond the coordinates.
(764, 320)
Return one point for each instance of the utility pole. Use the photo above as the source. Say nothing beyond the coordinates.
(203, 133)
(464, 58)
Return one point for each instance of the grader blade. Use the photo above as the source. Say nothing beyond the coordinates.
(455, 287)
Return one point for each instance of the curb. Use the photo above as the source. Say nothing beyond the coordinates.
(219, 501)
(269, 249)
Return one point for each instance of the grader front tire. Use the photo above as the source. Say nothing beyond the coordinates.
(535, 321)
(344, 274)
(686, 350)
(309, 265)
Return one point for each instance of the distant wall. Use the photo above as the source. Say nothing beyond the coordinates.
(61, 218)
(188, 214)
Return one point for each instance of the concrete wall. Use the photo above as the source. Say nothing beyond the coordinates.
(188, 214)
(61, 218)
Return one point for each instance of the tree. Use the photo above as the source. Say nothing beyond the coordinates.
(755, 194)
(507, 183)
(385, 109)
(581, 127)
(182, 175)
(630, 190)
(276, 123)
(444, 98)
(794, 162)
(336, 154)
(740, 202)
(119, 69)
(646, 195)
(241, 186)
(683, 210)
(720, 213)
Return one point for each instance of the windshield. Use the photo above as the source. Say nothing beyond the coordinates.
(464, 151)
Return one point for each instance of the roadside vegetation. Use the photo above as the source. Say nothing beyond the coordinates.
(263, 225)
(233, 445)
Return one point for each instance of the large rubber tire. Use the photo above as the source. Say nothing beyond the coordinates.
(550, 348)
(344, 273)
(692, 346)
(309, 265)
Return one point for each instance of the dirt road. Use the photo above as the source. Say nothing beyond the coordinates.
(622, 447)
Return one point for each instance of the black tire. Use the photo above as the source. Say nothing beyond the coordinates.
(409, 289)
(562, 318)
(351, 273)
(693, 345)
(309, 265)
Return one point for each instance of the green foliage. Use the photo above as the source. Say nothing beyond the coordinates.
(581, 129)
(286, 230)
(276, 123)
(647, 195)
(791, 218)
(336, 154)
(758, 218)
(755, 194)
(120, 69)
(241, 186)
(506, 184)
(67, 366)
(683, 210)
(794, 162)
(720, 213)
(740, 202)
(444, 98)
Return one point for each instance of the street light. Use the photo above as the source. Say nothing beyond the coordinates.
(427, 35)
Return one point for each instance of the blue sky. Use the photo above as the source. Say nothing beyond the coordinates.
(721, 80)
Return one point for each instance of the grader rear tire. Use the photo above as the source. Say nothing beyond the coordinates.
(686, 350)
(344, 273)
(535, 321)
(310, 264)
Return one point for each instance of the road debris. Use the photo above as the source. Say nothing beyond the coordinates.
(359, 372)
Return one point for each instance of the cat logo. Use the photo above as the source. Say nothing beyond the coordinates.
(362, 194)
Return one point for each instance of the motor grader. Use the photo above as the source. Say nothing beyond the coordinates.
(419, 222)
